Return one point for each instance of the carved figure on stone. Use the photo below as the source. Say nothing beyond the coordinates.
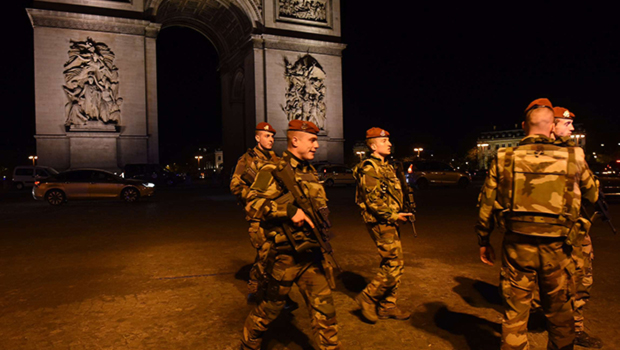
(305, 91)
(91, 84)
(311, 10)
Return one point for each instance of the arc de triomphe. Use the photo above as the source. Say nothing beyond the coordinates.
(96, 74)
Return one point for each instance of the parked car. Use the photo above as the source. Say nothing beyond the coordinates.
(25, 176)
(609, 178)
(423, 174)
(335, 174)
(89, 184)
(154, 173)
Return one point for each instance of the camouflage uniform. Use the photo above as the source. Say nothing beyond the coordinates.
(270, 204)
(582, 256)
(534, 192)
(380, 198)
(247, 167)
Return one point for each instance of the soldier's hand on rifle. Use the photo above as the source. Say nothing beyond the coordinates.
(404, 217)
(487, 255)
(300, 218)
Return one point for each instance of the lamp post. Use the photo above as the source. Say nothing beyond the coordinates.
(34, 159)
(418, 150)
(198, 158)
(361, 154)
(483, 159)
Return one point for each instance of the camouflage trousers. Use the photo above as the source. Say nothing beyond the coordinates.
(546, 261)
(305, 271)
(582, 256)
(257, 238)
(383, 289)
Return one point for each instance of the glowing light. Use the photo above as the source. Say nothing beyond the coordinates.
(34, 159)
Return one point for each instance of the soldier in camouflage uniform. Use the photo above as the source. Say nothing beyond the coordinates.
(582, 252)
(243, 177)
(275, 209)
(380, 197)
(534, 193)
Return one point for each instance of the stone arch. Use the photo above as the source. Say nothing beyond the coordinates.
(252, 39)
(238, 87)
(228, 24)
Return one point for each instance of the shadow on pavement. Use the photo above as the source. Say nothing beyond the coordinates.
(352, 282)
(460, 329)
(482, 294)
(244, 273)
(478, 293)
(282, 332)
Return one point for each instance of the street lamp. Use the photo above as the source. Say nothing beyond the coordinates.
(34, 159)
(418, 150)
(198, 158)
(361, 154)
(483, 160)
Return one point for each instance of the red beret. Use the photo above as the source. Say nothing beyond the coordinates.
(302, 125)
(376, 132)
(539, 103)
(561, 112)
(265, 127)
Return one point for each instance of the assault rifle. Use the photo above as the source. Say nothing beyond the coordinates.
(409, 202)
(320, 234)
(601, 210)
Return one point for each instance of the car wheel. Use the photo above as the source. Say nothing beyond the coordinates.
(19, 185)
(463, 183)
(130, 194)
(55, 197)
(329, 183)
(422, 183)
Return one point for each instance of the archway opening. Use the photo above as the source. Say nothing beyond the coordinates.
(189, 100)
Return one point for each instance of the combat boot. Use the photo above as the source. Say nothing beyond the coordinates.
(587, 341)
(369, 308)
(393, 312)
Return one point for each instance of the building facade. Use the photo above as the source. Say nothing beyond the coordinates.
(490, 141)
(96, 74)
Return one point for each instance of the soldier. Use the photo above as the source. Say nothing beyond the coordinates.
(243, 177)
(272, 204)
(534, 192)
(582, 253)
(380, 197)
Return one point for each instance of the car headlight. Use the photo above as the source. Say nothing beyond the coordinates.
(148, 184)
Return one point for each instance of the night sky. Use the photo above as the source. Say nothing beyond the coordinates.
(433, 75)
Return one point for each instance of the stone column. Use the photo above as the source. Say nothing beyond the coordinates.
(73, 128)
(273, 88)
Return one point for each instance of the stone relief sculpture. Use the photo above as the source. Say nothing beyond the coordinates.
(305, 90)
(91, 86)
(310, 10)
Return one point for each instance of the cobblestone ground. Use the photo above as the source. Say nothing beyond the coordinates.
(168, 273)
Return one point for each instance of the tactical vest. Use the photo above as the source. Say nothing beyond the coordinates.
(390, 188)
(308, 182)
(537, 183)
(253, 163)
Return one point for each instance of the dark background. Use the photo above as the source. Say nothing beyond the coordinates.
(434, 75)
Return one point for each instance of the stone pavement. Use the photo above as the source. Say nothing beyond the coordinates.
(168, 273)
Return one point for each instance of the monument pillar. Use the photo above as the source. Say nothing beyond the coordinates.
(96, 75)
(95, 90)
